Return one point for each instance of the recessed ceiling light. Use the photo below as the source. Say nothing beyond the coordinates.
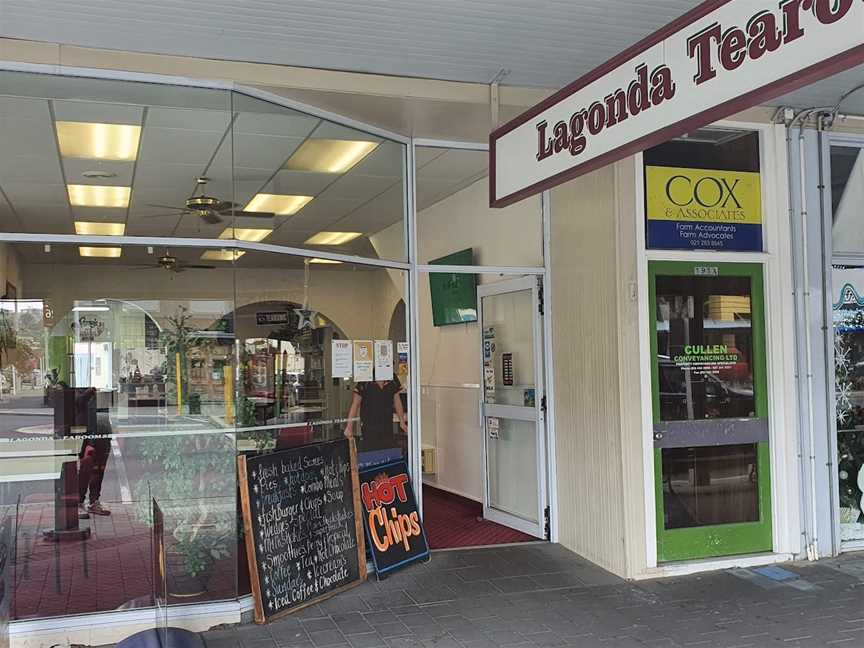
(327, 261)
(280, 204)
(98, 196)
(86, 228)
(92, 141)
(245, 234)
(100, 252)
(329, 155)
(332, 238)
(222, 255)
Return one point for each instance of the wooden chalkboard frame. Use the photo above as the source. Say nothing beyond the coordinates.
(251, 550)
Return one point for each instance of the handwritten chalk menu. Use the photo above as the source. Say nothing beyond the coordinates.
(393, 523)
(303, 525)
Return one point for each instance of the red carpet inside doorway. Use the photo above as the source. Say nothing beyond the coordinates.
(452, 521)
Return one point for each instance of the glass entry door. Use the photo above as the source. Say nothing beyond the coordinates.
(711, 452)
(511, 408)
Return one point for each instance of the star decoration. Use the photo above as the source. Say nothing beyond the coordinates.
(304, 318)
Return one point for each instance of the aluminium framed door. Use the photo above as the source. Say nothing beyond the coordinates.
(512, 407)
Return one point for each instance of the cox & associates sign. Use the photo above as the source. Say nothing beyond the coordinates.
(720, 58)
(699, 209)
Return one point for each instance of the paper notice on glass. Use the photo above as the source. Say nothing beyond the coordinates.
(402, 359)
(342, 359)
(383, 360)
(364, 365)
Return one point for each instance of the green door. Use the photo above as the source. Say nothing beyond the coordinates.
(711, 443)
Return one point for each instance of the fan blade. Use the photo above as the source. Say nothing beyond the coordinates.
(166, 206)
(211, 218)
(177, 215)
(192, 266)
(226, 205)
(245, 214)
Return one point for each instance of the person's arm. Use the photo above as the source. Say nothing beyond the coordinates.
(353, 411)
(400, 413)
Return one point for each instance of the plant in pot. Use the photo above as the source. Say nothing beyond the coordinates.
(189, 476)
(179, 339)
(194, 403)
(53, 384)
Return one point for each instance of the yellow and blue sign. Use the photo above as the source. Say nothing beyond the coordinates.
(703, 209)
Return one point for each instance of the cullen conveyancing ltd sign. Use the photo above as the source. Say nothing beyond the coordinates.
(722, 57)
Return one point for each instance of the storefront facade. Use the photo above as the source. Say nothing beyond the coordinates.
(629, 341)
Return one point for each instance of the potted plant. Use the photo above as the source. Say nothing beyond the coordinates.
(194, 403)
(186, 475)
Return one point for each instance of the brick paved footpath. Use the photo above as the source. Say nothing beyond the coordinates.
(541, 595)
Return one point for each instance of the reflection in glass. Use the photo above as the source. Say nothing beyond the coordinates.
(704, 348)
(512, 454)
(848, 310)
(710, 485)
(847, 196)
(704, 372)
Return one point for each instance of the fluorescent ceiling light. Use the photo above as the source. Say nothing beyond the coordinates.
(90, 309)
(91, 141)
(329, 155)
(86, 228)
(222, 255)
(245, 234)
(279, 204)
(100, 252)
(327, 261)
(98, 196)
(332, 238)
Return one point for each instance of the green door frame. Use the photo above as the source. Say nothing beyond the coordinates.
(725, 539)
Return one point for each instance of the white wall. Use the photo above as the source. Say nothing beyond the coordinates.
(597, 390)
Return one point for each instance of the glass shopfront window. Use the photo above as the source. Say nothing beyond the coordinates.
(133, 370)
(847, 301)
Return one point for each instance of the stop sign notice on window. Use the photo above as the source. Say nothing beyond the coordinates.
(720, 58)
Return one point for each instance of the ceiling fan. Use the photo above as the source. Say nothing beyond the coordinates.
(208, 208)
(173, 265)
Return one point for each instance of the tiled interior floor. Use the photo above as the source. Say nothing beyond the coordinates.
(111, 570)
(540, 595)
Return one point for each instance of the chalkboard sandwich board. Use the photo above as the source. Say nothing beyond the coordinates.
(393, 525)
(302, 525)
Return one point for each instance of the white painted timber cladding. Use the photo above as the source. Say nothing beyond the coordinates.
(544, 44)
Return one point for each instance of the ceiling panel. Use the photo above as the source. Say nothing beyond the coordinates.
(28, 135)
(263, 151)
(375, 215)
(178, 145)
(34, 168)
(75, 168)
(35, 193)
(321, 212)
(300, 183)
(353, 185)
(329, 130)
(189, 119)
(101, 113)
(276, 121)
(386, 160)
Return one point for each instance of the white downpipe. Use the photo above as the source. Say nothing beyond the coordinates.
(813, 544)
